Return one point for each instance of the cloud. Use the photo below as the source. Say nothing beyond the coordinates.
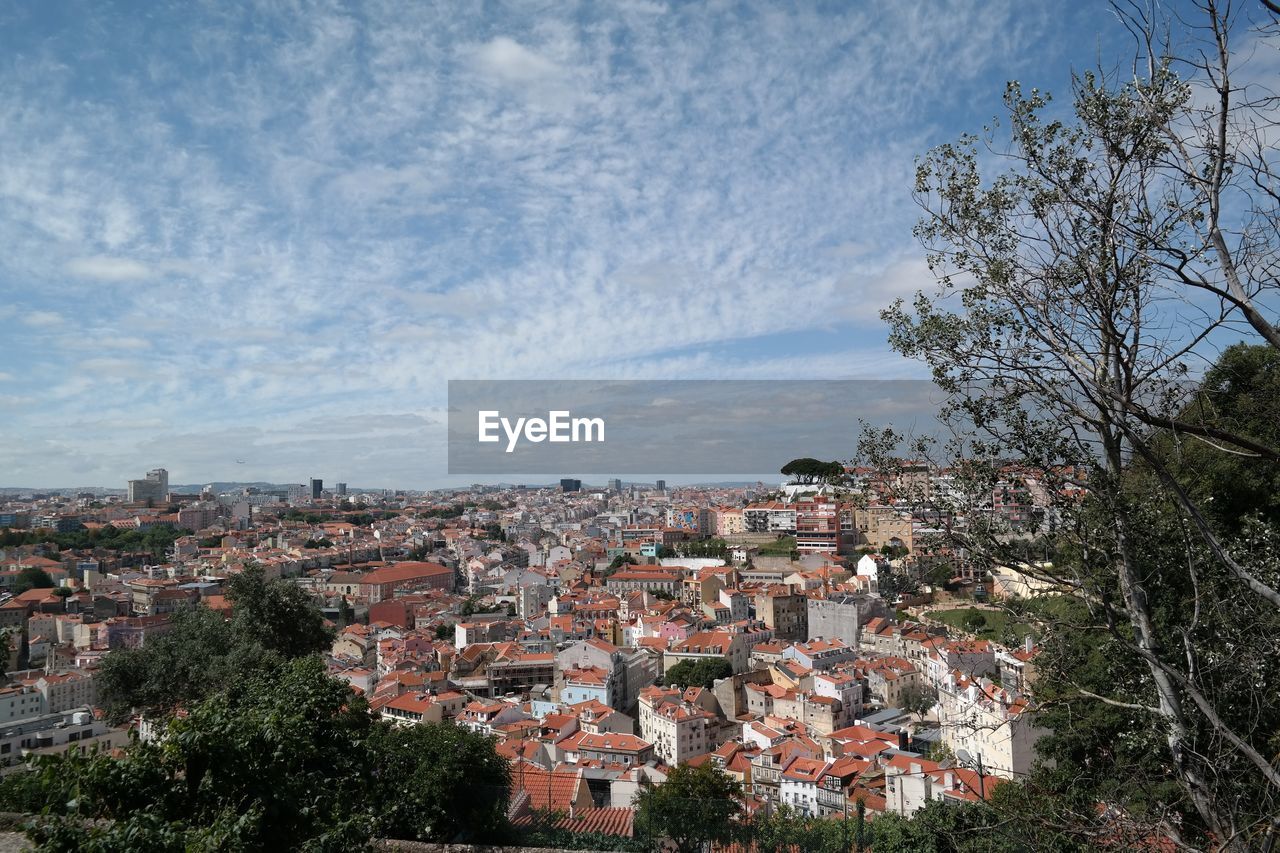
(505, 62)
(508, 61)
(354, 209)
(43, 319)
(102, 268)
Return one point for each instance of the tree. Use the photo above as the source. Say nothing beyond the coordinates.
(974, 621)
(278, 615)
(272, 762)
(918, 701)
(892, 583)
(808, 470)
(438, 782)
(203, 652)
(1078, 292)
(696, 806)
(618, 562)
(283, 761)
(31, 577)
(783, 830)
(703, 672)
(198, 656)
(6, 649)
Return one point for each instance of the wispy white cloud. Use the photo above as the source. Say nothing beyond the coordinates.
(103, 268)
(43, 319)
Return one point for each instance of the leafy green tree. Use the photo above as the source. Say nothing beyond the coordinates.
(620, 561)
(285, 760)
(918, 701)
(975, 621)
(975, 828)
(809, 470)
(278, 615)
(784, 830)
(703, 672)
(695, 807)
(438, 782)
(203, 652)
(892, 583)
(273, 762)
(198, 656)
(31, 577)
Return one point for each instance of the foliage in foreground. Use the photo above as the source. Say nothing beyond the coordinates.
(203, 652)
(289, 761)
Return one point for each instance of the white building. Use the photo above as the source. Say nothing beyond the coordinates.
(678, 727)
(982, 722)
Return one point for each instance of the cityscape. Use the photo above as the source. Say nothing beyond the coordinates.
(563, 622)
(655, 427)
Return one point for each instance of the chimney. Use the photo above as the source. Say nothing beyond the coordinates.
(1028, 644)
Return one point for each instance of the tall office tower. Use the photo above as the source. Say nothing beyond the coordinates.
(615, 485)
(317, 487)
(342, 490)
(155, 487)
(662, 485)
(568, 484)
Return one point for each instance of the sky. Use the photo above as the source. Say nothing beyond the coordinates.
(253, 241)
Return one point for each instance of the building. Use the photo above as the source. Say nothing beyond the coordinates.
(608, 748)
(154, 488)
(798, 785)
(496, 669)
(414, 708)
(842, 615)
(911, 782)
(645, 580)
(317, 488)
(587, 684)
(197, 517)
(20, 702)
(817, 526)
(773, 517)
(615, 486)
(676, 724)
(342, 489)
(986, 724)
(820, 654)
(382, 584)
(568, 484)
(48, 731)
(729, 522)
(595, 669)
(783, 611)
(711, 644)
